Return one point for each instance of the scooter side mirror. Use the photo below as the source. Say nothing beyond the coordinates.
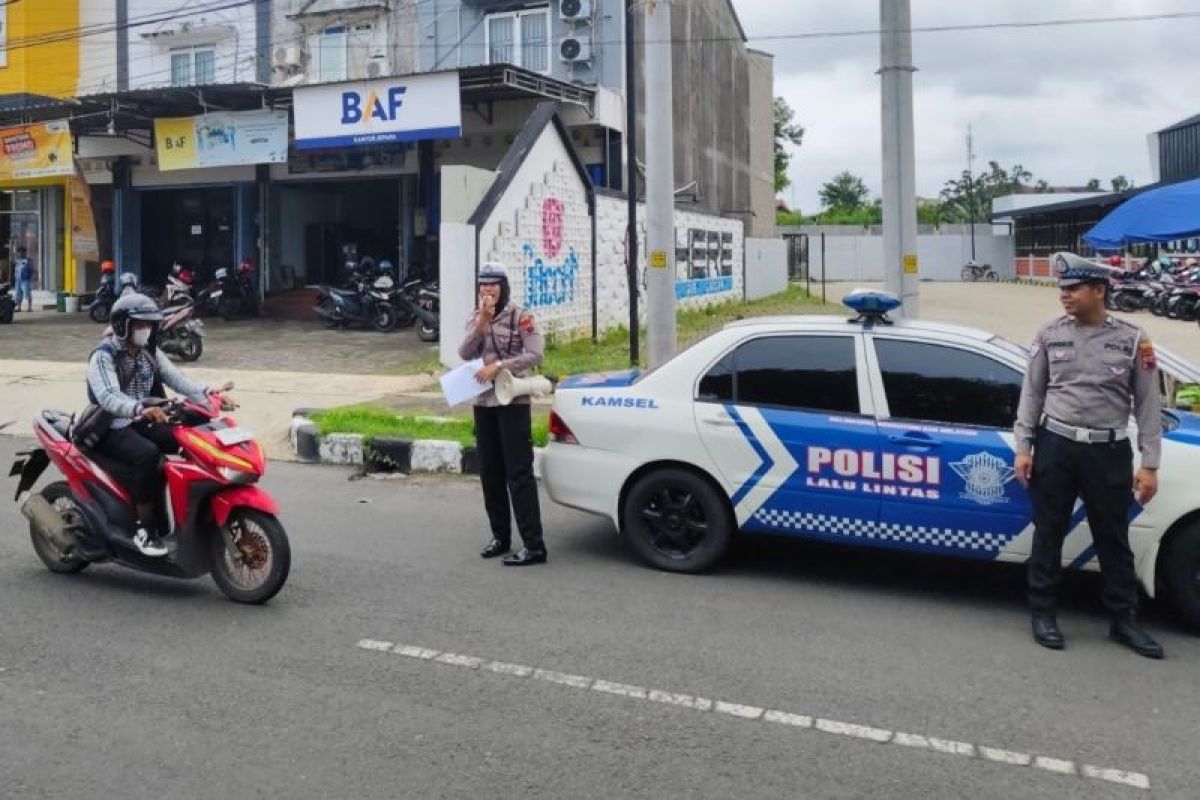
(227, 387)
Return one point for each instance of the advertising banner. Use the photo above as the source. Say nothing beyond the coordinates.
(84, 244)
(223, 139)
(36, 151)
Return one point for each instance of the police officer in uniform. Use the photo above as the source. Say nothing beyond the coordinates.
(1085, 371)
(506, 337)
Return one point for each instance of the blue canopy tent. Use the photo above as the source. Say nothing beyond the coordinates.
(1165, 214)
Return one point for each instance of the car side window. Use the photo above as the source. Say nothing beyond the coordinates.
(810, 372)
(945, 384)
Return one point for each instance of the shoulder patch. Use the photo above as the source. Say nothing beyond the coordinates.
(1146, 354)
(527, 324)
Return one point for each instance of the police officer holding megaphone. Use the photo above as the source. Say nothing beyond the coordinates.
(505, 336)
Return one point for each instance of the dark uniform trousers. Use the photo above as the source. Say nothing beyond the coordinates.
(1102, 474)
(502, 436)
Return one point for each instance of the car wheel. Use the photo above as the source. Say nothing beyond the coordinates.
(1179, 566)
(676, 520)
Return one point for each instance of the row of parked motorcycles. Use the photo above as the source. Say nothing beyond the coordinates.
(1164, 287)
(229, 294)
(373, 296)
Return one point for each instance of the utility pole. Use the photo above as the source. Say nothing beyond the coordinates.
(971, 186)
(660, 186)
(899, 159)
(631, 237)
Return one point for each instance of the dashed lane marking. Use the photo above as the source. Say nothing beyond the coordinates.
(865, 733)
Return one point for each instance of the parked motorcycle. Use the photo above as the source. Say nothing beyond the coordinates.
(973, 271)
(238, 298)
(7, 305)
(429, 301)
(181, 333)
(105, 295)
(363, 305)
(219, 522)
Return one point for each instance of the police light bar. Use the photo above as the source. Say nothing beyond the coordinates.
(871, 302)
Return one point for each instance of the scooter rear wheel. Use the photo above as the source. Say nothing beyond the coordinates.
(190, 347)
(99, 312)
(251, 557)
(58, 495)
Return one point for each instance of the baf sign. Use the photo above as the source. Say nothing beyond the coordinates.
(397, 109)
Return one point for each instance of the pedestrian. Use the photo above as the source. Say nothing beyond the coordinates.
(505, 336)
(23, 270)
(1086, 369)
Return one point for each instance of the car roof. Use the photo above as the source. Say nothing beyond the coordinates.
(838, 323)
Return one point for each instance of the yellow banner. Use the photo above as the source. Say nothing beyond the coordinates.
(36, 151)
(84, 244)
(175, 141)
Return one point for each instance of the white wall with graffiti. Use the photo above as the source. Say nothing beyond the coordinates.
(542, 232)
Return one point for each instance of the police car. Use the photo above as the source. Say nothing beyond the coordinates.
(863, 432)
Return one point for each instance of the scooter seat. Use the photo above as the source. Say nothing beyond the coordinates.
(349, 293)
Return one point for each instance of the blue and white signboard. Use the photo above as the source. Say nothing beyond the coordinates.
(404, 108)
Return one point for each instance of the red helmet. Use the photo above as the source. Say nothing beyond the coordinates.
(1115, 261)
(245, 266)
(108, 266)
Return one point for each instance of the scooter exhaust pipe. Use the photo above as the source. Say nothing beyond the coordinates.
(48, 523)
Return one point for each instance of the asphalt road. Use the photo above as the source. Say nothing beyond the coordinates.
(115, 684)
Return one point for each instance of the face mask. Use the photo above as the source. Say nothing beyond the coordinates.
(141, 337)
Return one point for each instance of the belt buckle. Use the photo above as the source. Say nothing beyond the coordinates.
(1083, 435)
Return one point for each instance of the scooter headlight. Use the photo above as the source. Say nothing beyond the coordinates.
(236, 475)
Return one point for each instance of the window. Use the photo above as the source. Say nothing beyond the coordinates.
(521, 38)
(193, 67)
(944, 384)
(812, 372)
(331, 54)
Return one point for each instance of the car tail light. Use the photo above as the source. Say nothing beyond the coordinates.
(559, 432)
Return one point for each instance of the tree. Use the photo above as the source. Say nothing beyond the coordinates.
(1093, 185)
(844, 192)
(971, 196)
(785, 133)
(1121, 183)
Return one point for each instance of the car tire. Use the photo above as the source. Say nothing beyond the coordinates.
(1179, 566)
(676, 520)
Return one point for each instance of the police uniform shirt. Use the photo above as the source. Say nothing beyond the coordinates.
(512, 339)
(1086, 376)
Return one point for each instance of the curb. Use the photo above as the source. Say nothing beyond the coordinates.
(385, 453)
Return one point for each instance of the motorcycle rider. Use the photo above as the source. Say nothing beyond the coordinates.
(123, 371)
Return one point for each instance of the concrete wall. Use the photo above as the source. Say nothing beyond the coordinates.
(762, 144)
(229, 32)
(766, 267)
(457, 285)
(939, 257)
(387, 40)
(462, 189)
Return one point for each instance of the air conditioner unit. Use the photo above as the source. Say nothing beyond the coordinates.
(378, 68)
(575, 49)
(575, 10)
(286, 57)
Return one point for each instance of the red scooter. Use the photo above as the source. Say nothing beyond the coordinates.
(218, 520)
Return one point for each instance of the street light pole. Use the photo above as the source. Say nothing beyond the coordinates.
(899, 159)
(660, 186)
(631, 237)
(971, 186)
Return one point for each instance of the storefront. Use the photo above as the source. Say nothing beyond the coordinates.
(35, 165)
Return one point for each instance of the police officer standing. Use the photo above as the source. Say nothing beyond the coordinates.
(1085, 370)
(505, 336)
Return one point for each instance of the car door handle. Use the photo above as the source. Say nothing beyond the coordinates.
(720, 422)
(914, 440)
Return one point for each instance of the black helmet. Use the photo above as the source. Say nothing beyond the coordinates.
(491, 273)
(133, 306)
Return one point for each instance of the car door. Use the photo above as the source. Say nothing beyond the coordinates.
(787, 419)
(953, 406)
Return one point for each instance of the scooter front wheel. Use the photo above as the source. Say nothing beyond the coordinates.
(58, 494)
(251, 556)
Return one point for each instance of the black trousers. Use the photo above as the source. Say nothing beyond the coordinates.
(1102, 474)
(138, 449)
(505, 443)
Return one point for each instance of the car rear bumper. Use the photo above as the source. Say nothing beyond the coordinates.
(585, 478)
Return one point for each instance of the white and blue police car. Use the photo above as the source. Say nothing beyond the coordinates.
(889, 435)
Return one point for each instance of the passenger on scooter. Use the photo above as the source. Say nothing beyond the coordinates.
(124, 370)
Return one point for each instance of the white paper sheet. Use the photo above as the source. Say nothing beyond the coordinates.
(459, 384)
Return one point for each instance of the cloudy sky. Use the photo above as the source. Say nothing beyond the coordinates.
(1069, 103)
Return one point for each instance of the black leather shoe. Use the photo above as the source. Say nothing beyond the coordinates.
(1129, 633)
(525, 557)
(495, 548)
(1046, 632)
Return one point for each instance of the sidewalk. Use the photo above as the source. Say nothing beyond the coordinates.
(267, 398)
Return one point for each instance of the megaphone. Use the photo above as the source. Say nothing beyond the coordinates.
(509, 387)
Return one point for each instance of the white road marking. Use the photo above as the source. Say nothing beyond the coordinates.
(851, 730)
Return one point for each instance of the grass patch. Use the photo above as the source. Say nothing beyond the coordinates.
(611, 350)
(375, 421)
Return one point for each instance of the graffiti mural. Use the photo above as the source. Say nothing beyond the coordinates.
(549, 284)
(552, 226)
